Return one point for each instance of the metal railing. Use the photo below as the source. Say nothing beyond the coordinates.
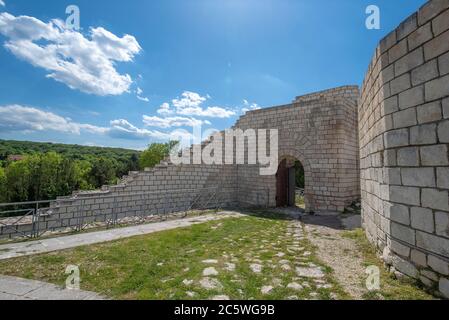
(26, 218)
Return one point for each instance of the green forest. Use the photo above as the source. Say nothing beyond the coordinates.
(32, 171)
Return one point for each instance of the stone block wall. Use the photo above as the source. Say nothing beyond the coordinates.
(404, 144)
(163, 190)
(319, 130)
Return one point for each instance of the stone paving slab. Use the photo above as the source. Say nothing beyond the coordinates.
(12, 288)
(13, 250)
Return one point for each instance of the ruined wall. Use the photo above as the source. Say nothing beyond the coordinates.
(320, 130)
(162, 190)
(404, 141)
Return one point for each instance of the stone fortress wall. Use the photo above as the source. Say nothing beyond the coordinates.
(319, 129)
(404, 142)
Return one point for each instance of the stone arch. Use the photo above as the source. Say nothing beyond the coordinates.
(308, 190)
(296, 145)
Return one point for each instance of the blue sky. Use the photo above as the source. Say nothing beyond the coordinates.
(203, 61)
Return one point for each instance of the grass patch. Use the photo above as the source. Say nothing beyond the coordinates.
(155, 266)
(391, 288)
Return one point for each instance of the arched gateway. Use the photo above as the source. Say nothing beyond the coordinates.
(319, 130)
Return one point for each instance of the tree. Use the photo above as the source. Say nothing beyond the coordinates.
(155, 153)
(102, 172)
(3, 197)
(82, 172)
(45, 175)
(17, 181)
(299, 175)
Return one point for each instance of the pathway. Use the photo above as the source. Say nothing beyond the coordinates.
(12, 288)
(13, 250)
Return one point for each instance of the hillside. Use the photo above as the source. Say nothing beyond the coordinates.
(70, 151)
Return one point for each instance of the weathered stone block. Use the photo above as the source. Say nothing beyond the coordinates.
(443, 131)
(397, 51)
(425, 72)
(400, 84)
(392, 175)
(396, 138)
(409, 62)
(418, 177)
(442, 223)
(432, 243)
(405, 118)
(403, 233)
(423, 134)
(443, 178)
(420, 36)
(419, 258)
(440, 266)
(434, 155)
(422, 219)
(443, 286)
(390, 157)
(429, 112)
(408, 157)
(443, 64)
(397, 212)
(405, 195)
(407, 26)
(405, 267)
(437, 46)
(411, 97)
(388, 41)
(435, 199)
(431, 9)
(429, 274)
(400, 248)
(426, 281)
(391, 105)
(437, 88)
(446, 108)
(441, 23)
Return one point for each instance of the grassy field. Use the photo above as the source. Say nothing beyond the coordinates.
(252, 257)
(170, 264)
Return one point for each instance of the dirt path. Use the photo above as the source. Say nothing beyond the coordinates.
(339, 253)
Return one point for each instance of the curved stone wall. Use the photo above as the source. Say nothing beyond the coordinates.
(404, 143)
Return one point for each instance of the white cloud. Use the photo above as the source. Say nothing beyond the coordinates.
(2, 3)
(144, 99)
(172, 122)
(190, 104)
(81, 63)
(17, 118)
(21, 118)
(165, 109)
(139, 95)
(249, 106)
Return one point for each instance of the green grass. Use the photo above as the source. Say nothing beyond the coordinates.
(154, 266)
(390, 287)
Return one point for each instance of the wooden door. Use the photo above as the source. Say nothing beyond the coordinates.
(281, 184)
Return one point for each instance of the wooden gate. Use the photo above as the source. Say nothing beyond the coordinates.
(281, 185)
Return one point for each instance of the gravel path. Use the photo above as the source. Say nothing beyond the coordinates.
(339, 253)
